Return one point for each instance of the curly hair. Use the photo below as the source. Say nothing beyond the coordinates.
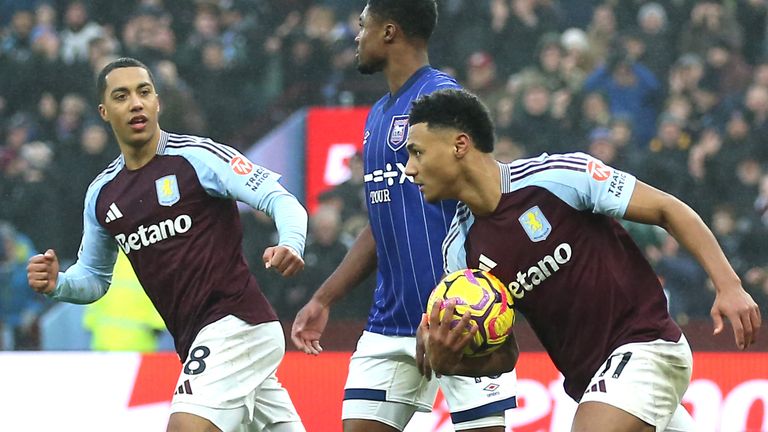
(457, 109)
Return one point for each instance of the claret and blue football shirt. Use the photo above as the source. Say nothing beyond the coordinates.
(177, 221)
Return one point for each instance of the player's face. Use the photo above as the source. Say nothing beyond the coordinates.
(131, 106)
(431, 161)
(369, 54)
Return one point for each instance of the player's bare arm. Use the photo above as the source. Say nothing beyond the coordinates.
(442, 346)
(652, 206)
(43, 272)
(310, 321)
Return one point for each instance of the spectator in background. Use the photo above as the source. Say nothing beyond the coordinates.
(684, 282)
(47, 112)
(218, 88)
(602, 146)
(205, 28)
(517, 27)
(602, 30)
(324, 250)
(181, 112)
(725, 70)
(79, 166)
(667, 157)
(19, 306)
(534, 126)
(593, 112)
(35, 191)
(630, 88)
(752, 16)
(623, 136)
(482, 77)
(124, 319)
(69, 123)
(350, 199)
(148, 35)
(17, 61)
(709, 23)
(548, 66)
(507, 150)
(756, 104)
(259, 233)
(653, 31)
(78, 31)
(579, 59)
(466, 26)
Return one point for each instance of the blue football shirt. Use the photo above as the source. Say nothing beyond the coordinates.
(409, 231)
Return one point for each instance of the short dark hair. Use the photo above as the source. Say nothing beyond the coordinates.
(123, 62)
(417, 18)
(457, 109)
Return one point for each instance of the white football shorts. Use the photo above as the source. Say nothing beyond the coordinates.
(385, 385)
(229, 377)
(647, 380)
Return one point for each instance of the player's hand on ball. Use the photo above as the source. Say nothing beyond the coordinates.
(43, 272)
(308, 326)
(422, 362)
(444, 343)
(284, 259)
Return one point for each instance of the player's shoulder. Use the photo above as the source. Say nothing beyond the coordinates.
(544, 168)
(107, 174)
(435, 79)
(193, 146)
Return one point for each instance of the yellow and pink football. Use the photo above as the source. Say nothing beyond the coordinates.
(488, 302)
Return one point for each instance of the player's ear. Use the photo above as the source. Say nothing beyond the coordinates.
(103, 113)
(389, 32)
(461, 145)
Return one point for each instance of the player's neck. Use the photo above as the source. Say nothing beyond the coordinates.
(136, 156)
(481, 189)
(403, 66)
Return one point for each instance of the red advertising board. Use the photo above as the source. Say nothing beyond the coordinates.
(130, 391)
(333, 135)
(728, 392)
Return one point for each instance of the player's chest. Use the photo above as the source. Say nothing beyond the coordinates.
(148, 203)
(528, 245)
(385, 158)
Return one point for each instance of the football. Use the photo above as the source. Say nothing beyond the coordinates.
(488, 302)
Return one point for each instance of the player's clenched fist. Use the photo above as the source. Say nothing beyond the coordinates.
(43, 272)
(284, 259)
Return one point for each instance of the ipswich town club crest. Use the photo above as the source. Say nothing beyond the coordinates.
(398, 132)
(167, 190)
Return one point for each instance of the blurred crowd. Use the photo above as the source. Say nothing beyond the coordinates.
(673, 91)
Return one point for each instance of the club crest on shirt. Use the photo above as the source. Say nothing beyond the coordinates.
(167, 190)
(398, 132)
(535, 224)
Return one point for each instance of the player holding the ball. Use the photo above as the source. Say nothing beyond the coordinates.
(401, 243)
(546, 227)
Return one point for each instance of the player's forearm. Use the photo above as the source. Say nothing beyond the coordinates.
(80, 286)
(651, 206)
(691, 232)
(291, 222)
(359, 263)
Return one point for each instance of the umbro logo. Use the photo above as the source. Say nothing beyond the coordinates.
(113, 213)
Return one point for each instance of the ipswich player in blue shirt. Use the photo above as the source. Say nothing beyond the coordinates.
(402, 242)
